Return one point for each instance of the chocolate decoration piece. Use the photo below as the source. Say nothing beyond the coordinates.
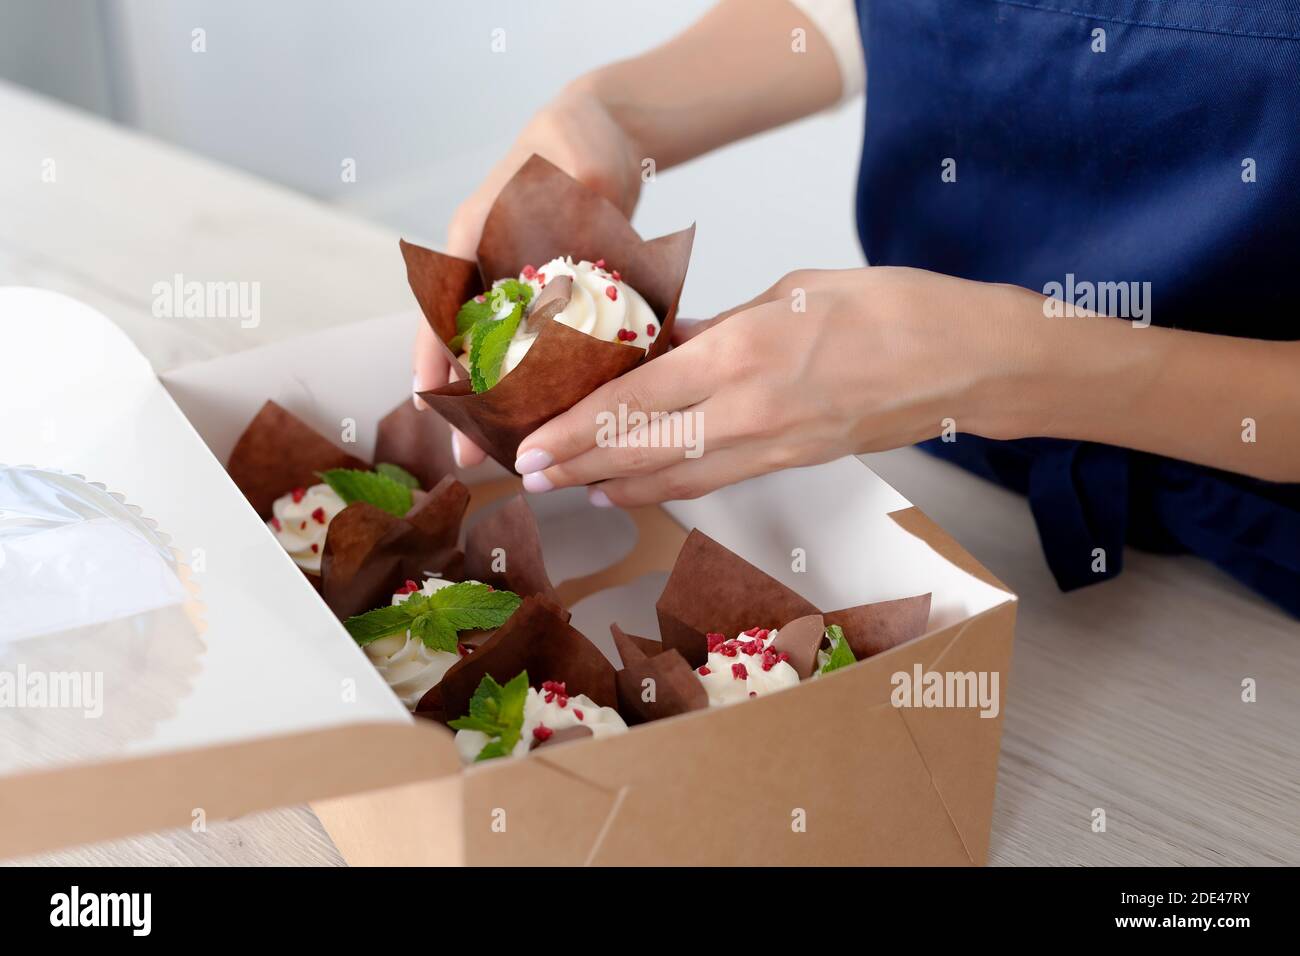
(873, 628)
(714, 589)
(542, 213)
(676, 688)
(563, 736)
(552, 300)
(535, 639)
(800, 639)
(278, 452)
(512, 528)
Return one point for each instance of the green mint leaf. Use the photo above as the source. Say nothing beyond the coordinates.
(470, 605)
(498, 712)
(381, 622)
(476, 336)
(512, 289)
(435, 631)
(841, 653)
(488, 349)
(379, 490)
(472, 313)
(398, 474)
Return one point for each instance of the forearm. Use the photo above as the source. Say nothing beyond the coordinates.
(1220, 401)
(732, 74)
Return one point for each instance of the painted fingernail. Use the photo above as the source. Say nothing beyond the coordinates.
(533, 460)
(455, 447)
(420, 404)
(599, 499)
(537, 482)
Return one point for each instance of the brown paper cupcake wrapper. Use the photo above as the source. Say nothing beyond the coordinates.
(537, 638)
(712, 589)
(540, 214)
(675, 688)
(368, 553)
(510, 535)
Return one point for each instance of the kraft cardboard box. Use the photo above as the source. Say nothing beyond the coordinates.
(266, 701)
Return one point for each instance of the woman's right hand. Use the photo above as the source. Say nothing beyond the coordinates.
(577, 134)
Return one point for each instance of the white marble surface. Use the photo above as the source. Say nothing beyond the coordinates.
(1125, 696)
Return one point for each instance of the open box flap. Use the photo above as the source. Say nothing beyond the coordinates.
(264, 661)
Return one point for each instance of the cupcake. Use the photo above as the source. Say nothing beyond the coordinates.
(510, 720)
(416, 639)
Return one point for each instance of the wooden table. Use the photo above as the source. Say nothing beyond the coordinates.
(1125, 696)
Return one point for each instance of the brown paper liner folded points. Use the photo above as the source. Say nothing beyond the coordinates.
(714, 589)
(537, 638)
(509, 536)
(278, 452)
(368, 553)
(542, 213)
(662, 676)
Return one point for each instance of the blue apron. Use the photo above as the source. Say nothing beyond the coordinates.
(1111, 141)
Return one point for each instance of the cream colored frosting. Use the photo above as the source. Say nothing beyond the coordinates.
(410, 668)
(549, 711)
(739, 669)
(593, 308)
(300, 525)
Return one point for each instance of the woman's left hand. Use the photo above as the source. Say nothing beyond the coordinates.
(823, 364)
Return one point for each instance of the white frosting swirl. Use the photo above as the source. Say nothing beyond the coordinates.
(546, 710)
(744, 667)
(593, 308)
(409, 667)
(300, 519)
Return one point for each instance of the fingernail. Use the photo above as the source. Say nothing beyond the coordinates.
(533, 460)
(537, 482)
(420, 404)
(455, 448)
(599, 499)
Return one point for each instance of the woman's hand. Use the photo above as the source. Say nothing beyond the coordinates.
(576, 134)
(823, 364)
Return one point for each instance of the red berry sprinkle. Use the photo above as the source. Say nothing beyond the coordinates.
(703, 671)
(480, 298)
(410, 587)
(714, 639)
(650, 330)
(611, 293)
(738, 671)
(782, 658)
(753, 693)
(462, 650)
(529, 272)
(751, 632)
(298, 494)
(762, 633)
(315, 549)
(542, 733)
(541, 278)
(301, 525)
(275, 523)
(577, 713)
(318, 516)
(600, 263)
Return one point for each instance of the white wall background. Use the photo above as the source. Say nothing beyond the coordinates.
(413, 92)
